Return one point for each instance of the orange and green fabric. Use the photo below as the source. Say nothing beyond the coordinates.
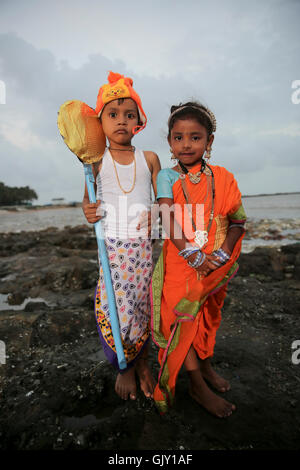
(186, 309)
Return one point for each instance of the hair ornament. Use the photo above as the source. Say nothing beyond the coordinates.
(202, 109)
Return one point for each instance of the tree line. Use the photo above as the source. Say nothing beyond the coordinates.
(13, 195)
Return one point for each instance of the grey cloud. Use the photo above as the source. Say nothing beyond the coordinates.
(245, 79)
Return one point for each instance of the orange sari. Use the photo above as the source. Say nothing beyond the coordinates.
(186, 309)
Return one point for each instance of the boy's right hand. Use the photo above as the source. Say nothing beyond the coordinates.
(89, 211)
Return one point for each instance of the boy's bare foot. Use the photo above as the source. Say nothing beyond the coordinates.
(126, 385)
(200, 392)
(208, 373)
(147, 381)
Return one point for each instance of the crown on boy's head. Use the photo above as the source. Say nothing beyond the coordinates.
(117, 87)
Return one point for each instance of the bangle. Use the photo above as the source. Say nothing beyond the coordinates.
(216, 263)
(194, 263)
(222, 255)
(200, 258)
(186, 252)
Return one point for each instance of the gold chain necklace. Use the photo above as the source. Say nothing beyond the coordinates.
(132, 149)
(134, 175)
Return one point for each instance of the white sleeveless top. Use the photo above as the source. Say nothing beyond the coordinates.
(123, 210)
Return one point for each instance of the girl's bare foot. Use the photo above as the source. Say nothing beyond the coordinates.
(126, 385)
(208, 373)
(147, 381)
(200, 392)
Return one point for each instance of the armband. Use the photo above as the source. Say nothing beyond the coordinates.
(236, 225)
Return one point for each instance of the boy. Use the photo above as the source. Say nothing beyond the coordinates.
(124, 176)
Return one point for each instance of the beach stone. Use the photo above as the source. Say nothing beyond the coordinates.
(17, 298)
(57, 381)
(297, 267)
(61, 326)
(69, 273)
(35, 306)
(292, 249)
(16, 329)
(292, 255)
(262, 261)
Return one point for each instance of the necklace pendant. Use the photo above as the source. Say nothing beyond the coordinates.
(195, 178)
(201, 238)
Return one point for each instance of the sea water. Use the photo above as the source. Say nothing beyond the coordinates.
(273, 207)
(281, 212)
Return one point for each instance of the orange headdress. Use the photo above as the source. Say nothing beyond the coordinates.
(117, 87)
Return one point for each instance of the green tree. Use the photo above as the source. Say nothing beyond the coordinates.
(14, 195)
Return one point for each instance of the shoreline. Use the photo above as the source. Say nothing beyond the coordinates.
(18, 208)
(259, 232)
(271, 194)
(24, 208)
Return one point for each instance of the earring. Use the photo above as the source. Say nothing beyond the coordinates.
(208, 153)
(172, 155)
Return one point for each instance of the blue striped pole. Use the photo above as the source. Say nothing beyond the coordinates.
(113, 315)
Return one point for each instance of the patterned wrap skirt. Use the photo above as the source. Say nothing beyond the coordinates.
(131, 270)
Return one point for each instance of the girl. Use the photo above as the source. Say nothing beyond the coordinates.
(203, 216)
(123, 180)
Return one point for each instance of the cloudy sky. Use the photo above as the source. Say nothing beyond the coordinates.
(239, 57)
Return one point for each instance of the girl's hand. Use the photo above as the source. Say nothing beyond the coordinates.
(207, 267)
(90, 210)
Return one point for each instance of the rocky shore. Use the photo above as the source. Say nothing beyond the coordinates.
(57, 390)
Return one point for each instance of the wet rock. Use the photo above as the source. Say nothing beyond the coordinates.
(273, 230)
(81, 237)
(35, 306)
(16, 298)
(74, 274)
(271, 263)
(262, 261)
(297, 267)
(16, 328)
(61, 326)
(57, 389)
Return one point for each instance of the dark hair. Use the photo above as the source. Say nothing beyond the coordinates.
(191, 110)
